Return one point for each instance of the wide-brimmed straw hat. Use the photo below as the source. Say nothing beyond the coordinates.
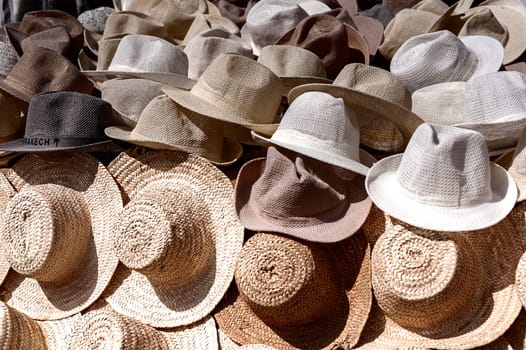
(103, 328)
(181, 209)
(309, 199)
(225, 343)
(484, 22)
(381, 103)
(441, 56)
(254, 103)
(443, 181)
(515, 162)
(70, 200)
(8, 57)
(441, 290)
(292, 294)
(165, 125)
(6, 193)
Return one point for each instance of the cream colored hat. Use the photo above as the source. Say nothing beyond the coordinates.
(70, 200)
(443, 181)
(6, 193)
(441, 290)
(164, 125)
(178, 238)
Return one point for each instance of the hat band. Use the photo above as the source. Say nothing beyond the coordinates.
(50, 142)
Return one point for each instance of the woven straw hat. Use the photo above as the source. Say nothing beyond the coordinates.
(309, 199)
(515, 162)
(103, 328)
(185, 269)
(254, 103)
(70, 200)
(291, 294)
(164, 125)
(148, 57)
(225, 343)
(441, 103)
(381, 103)
(95, 20)
(107, 48)
(484, 22)
(293, 65)
(6, 193)
(444, 181)
(440, 290)
(8, 57)
(441, 56)
(203, 23)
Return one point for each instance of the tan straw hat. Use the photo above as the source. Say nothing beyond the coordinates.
(254, 102)
(165, 125)
(292, 294)
(6, 193)
(441, 290)
(70, 200)
(515, 162)
(181, 206)
(103, 328)
(203, 23)
(380, 101)
(225, 343)
(484, 22)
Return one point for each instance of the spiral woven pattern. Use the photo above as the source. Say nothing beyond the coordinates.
(18, 331)
(192, 292)
(6, 193)
(57, 332)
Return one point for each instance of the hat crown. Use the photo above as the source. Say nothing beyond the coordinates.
(164, 234)
(433, 58)
(442, 103)
(8, 57)
(123, 22)
(446, 166)
(145, 53)
(284, 281)
(291, 61)
(495, 97)
(95, 20)
(47, 232)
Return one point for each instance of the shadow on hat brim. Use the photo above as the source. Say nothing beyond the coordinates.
(232, 150)
(329, 228)
(169, 79)
(389, 195)
(85, 62)
(489, 51)
(11, 90)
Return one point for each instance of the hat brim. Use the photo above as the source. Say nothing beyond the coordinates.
(326, 227)
(232, 150)
(388, 194)
(11, 90)
(351, 261)
(506, 161)
(169, 79)
(372, 30)
(291, 82)
(91, 39)
(19, 145)
(6, 192)
(489, 51)
(159, 305)
(196, 104)
(83, 173)
(405, 120)
(57, 332)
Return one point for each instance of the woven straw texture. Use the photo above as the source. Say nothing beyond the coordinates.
(441, 103)
(225, 343)
(294, 295)
(518, 216)
(95, 20)
(441, 290)
(57, 332)
(253, 103)
(8, 57)
(70, 200)
(6, 193)
(185, 269)
(17, 331)
(515, 162)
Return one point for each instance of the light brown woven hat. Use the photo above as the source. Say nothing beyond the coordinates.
(225, 343)
(70, 200)
(381, 102)
(181, 206)
(6, 193)
(165, 125)
(438, 7)
(202, 23)
(484, 22)
(291, 294)
(253, 103)
(441, 290)
(515, 162)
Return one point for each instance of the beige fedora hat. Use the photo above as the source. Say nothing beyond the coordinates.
(292, 294)
(426, 186)
(482, 21)
(254, 102)
(164, 125)
(381, 103)
(441, 290)
(203, 23)
(178, 238)
(70, 200)
(515, 162)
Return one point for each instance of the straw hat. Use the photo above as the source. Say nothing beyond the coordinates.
(254, 103)
(164, 125)
(182, 206)
(437, 290)
(95, 20)
(381, 103)
(8, 57)
(444, 181)
(225, 343)
(484, 22)
(438, 7)
(515, 162)
(203, 23)
(6, 193)
(441, 103)
(58, 281)
(103, 328)
(292, 294)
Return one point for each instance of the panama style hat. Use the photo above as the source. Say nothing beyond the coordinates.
(441, 290)
(70, 200)
(164, 125)
(443, 181)
(292, 294)
(181, 206)
(515, 162)
(484, 22)
(254, 103)
(441, 56)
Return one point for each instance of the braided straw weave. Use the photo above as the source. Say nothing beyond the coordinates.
(291, 294)
(6, 193)
(17, 331)
(441, 290)
(56, 234)
(178, 238)
(225, 343)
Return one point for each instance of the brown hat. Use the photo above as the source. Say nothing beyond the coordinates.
(336, 43)
(235, 10)
(293, 294)
(40, 70)
(484, 22)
